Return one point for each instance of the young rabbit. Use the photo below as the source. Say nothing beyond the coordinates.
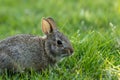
(22, 52)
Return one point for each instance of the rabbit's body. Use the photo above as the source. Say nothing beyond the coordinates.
(22, 52)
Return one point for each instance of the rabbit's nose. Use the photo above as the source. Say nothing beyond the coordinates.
(71, 50)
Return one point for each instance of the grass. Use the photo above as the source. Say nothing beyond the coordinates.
(92, 26)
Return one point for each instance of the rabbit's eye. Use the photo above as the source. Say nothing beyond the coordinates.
(59, 42)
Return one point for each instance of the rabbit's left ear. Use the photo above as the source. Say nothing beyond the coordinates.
(48, 25)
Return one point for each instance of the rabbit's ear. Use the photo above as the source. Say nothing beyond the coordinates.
(48, 25)
(52, 22)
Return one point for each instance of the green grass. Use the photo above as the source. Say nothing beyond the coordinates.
(93, 26)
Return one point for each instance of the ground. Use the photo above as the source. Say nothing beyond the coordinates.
(92, 26)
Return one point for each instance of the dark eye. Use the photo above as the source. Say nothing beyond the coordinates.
(59, 42)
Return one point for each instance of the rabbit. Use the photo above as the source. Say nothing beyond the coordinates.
(23, 51)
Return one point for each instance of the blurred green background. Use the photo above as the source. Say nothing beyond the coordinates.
(93, 26)
(24, 16)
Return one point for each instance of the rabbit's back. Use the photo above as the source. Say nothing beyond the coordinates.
(21, 51)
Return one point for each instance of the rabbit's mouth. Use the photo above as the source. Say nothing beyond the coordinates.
(64, 55)
(68, 51)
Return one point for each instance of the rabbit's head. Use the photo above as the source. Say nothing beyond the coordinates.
(57, 45)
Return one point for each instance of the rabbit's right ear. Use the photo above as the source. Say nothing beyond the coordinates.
(46, 27)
